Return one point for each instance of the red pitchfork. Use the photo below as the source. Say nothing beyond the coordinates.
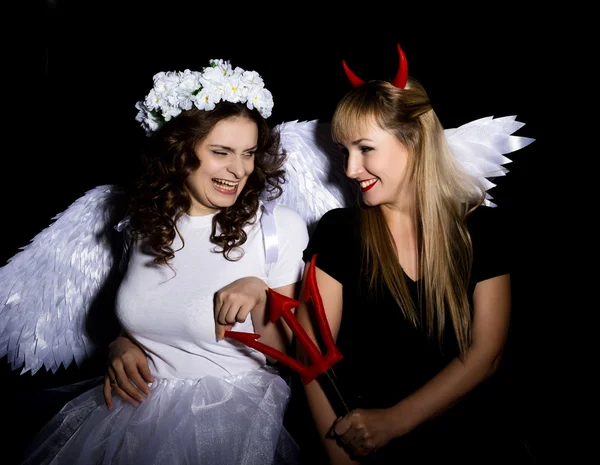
(320, 363)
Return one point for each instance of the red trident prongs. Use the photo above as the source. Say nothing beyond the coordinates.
(281, 306)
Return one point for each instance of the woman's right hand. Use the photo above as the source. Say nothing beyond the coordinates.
(234, 302)
(128, 373)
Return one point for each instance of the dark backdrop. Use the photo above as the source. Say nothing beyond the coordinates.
(86, 65)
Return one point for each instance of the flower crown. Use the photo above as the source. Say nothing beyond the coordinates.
(175, 91)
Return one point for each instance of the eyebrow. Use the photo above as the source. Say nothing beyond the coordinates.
(224, 147)
(358, 141)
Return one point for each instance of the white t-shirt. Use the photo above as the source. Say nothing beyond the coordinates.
(170, 312)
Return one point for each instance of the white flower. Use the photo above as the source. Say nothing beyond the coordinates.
(170, 112)
(207, 98)
(234, 90)
(154, 100)
(175, 91)
(149, 121)
(189, 81)
(261, 99)
(252, 78)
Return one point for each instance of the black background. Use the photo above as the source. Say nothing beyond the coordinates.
(79, 73)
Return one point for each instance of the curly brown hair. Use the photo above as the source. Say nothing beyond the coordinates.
(159, 197)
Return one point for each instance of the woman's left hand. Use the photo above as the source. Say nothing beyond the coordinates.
(235, 301)
(362, 432)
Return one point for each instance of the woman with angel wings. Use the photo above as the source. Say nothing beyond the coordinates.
(46, 326)
(203, 242)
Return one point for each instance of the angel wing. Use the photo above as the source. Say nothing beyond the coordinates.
(480, 147)
(315, 178)
(48, 290)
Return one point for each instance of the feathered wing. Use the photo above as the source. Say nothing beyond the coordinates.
(48, 289)
(480, 147)
(315, 177)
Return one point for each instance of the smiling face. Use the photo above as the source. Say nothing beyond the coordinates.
(378, 161)
(226, 160)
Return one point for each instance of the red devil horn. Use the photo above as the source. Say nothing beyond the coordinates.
(354, 79)
(402, 73)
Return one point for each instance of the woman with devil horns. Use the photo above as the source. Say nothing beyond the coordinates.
(415, 284)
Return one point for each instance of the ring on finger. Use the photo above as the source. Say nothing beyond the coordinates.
(332, 434)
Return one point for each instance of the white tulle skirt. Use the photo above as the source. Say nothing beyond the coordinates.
(212, 421)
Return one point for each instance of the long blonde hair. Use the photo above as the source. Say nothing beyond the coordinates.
(444, 196)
